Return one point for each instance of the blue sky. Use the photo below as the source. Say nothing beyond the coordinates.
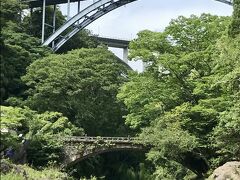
(155, 15)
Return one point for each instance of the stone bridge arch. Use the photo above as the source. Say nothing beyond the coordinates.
(79, 148)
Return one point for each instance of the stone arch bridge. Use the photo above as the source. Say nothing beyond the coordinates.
(80, 148)
(77, 149)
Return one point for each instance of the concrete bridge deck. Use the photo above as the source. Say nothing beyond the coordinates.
(113, 42)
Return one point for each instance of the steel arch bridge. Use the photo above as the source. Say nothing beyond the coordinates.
(81, 20)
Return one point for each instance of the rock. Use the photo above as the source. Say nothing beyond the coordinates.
(229, 171)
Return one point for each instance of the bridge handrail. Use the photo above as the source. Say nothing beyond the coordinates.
(91, 138)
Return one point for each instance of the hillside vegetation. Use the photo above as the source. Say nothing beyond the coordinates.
(185, 106)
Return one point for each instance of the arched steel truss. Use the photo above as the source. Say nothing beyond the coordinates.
(83, 19)
(86, 17)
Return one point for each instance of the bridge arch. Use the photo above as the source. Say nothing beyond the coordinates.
(78, 158)
(77, 149)
(86, 17)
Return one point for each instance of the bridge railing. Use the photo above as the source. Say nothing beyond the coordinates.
(94, 139)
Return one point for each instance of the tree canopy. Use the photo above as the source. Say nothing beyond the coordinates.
(18, 49)
(180, 105)
(184, 108)
(42, 132)
(82, 85)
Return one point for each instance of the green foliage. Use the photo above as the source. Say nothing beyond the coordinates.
(114, 165)
(167, 135)
(185, 106)
(18, 50)
(33, 22)
(10, 11)
(20, 45)
(227, 133)
(176, 74)
(170, 143)
(14, 121)
(146, 98)
(92, 178)
(234, 28)
(82, 85)
(40, 131)
(83, 39)
(196, 33)
(183, 35)
(22, 172)
(186, 102)
(148, 46)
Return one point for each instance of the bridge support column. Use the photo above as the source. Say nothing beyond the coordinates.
(54, 22)
(43, 19)
(79, 9)
(79, 6)
(68, 10)
(125, 54)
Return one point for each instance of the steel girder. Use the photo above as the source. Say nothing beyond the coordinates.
(229, 2)
(83, 19)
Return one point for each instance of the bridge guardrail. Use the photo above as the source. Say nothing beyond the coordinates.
(93, 139)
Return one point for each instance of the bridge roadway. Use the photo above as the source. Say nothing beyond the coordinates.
(113, 42)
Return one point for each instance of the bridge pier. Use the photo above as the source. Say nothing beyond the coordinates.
(54, 22)
(116, 43)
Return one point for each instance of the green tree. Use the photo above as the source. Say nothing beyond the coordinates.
(83, 39)
(227, 73)
(196, 33)
(227, 133)
(33, 22)
(176, 103)
(10, 11)
(234, 28)
(40, 131)
(82, 85)
(18, 49)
